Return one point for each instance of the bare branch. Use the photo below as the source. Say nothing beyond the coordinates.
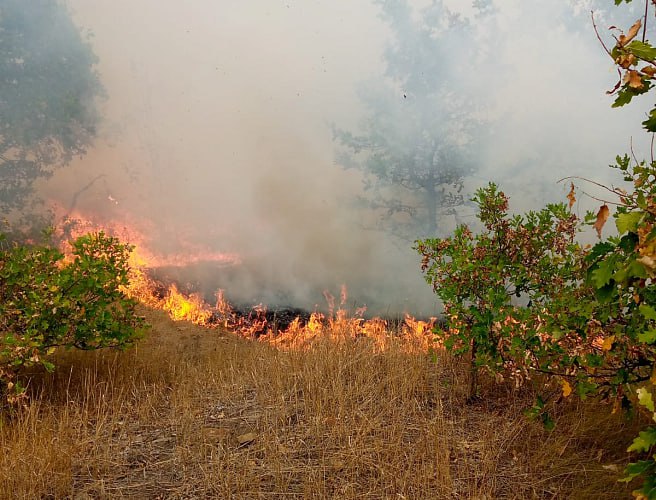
(594, 25)
(615, 191)
(632, 152)
(644, 25)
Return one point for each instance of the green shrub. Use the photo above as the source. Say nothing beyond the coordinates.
(49, 300)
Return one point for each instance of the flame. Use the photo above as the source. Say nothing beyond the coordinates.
(338, 325)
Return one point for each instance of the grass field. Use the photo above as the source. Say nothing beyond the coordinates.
(200, 413)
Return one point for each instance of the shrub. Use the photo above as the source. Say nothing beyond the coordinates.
(49, 300)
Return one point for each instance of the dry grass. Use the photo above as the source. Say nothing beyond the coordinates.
(196, 413)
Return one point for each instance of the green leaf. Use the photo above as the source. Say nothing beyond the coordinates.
(624, 97)
(642, 50)
(645, 440)
(628, 222)
(648, 337)
(645, 398)
(647, 311)
(650, 123)
(636, 469)
(602, 275)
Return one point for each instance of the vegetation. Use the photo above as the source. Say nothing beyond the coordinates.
(195, 413)
(413, 158)
(49, 300)
(590, 317)
(48, 91)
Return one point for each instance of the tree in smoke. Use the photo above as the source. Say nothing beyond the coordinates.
(48, 89)
(414, 149)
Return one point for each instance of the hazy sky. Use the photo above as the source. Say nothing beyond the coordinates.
(217, 128)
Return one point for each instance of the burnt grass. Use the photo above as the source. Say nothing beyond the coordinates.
(259, 314)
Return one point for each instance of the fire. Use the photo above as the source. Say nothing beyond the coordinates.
(338, 324)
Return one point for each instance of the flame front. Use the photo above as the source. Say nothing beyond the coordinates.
(337, 325)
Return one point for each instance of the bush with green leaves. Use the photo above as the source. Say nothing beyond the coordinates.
(50, 300)
(590, 314)
(507, 289)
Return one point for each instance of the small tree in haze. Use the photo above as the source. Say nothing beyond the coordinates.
(414, 149)
(48, 88)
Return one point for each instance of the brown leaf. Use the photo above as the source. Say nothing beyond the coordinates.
(633, 31)
(567, 389)
(602, 217)
(571, 196)
(626, 60)
(649, 70)
(633, 78)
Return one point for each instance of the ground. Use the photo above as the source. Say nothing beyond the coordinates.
(192, 412)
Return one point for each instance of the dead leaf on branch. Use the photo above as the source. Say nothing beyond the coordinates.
(649, 70)
(633, 79)
(567, 388)
(571, 196)
(626, 60)
(633, 31)
(607, 344)
(602, 217)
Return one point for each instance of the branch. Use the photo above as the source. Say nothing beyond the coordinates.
(644, 25)
(80, 191)
(594, 25)
(612, 190)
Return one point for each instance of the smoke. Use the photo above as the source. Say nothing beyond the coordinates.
(217, 129)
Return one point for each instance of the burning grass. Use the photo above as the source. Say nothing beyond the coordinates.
(194, 412)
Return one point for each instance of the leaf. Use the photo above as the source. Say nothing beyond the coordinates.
(633, 31)
(642, 50)
(624, 96)
(602, 275)
(636, 469)
(602, 217)
(650, 123)
(567, 389)
(648, 337)
(571, 195)
(645, 440)
(633, 79)
(647, 311)
(649, 70)
(607, 344)
(628, 222)
(645, 398)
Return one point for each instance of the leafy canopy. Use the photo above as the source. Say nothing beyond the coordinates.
(48, 93)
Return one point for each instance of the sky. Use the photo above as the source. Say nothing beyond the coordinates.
(217, 131)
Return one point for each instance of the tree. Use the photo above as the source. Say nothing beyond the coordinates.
(48, 92)
(590, 323)
(415, 143)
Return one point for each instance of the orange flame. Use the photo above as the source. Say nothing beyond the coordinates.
(337, 325)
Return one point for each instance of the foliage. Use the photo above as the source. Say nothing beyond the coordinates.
(483, 278)
(49, 300)
(590, 314)
(414, 145)
(47, 94)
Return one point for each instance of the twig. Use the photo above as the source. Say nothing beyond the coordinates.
(651, 149)
(632, 152)
(612, 190)
(619, 204)
(644, 26)
(82, 190)
(594, 25)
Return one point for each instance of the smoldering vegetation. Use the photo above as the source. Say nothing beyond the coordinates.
(218, 122)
